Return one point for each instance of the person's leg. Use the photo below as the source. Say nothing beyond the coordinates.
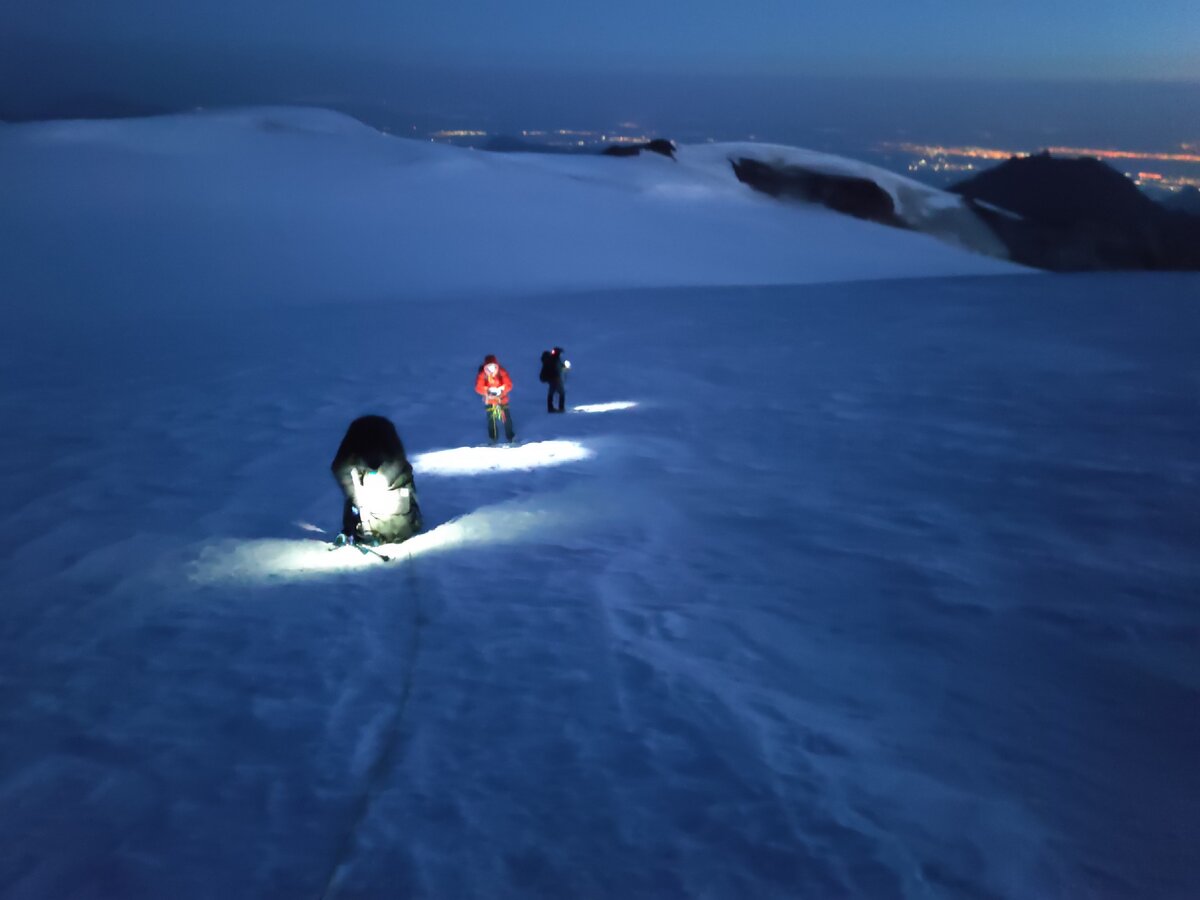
(508, 423)
(562, 398)
(492, 431)
(414, 517)
(349, 519)
(550, 397)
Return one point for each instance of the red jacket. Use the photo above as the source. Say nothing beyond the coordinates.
(484, 381)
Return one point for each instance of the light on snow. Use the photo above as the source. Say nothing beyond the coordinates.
(290, 560)
(482, 460)
(605, 407)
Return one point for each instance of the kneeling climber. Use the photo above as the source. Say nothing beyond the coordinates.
(377, 480)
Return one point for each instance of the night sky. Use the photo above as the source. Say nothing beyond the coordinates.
(1083, 65)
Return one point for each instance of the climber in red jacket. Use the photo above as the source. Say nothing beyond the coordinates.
(494, 385)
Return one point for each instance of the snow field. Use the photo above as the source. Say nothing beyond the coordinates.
(880, 588)
(848, 604)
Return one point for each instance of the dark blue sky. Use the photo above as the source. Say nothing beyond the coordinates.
(1030, 38)
(1072, 70)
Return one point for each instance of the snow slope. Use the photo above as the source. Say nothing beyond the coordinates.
(301, 206)
(860, 589)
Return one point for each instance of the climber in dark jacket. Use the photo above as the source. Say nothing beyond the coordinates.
(554, 375)
(377, 480)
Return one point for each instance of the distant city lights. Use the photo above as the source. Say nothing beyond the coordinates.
(939, 158)
(935, 158)
(560, 137)
(1169, 182)
(971, 152)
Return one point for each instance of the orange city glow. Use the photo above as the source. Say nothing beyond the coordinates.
(992, 153)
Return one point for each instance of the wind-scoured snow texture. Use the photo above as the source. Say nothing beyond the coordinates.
(881, 590)
(877, 589)
(304, 206)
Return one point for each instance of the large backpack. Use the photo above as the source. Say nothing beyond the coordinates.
(549, 367)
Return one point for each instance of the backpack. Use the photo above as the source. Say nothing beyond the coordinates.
(549, 367)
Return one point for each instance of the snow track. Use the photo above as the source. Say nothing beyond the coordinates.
(386, 746)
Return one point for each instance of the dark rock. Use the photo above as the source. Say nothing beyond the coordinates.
(1079, 214)
(854, 196)
(662, 146)
(1055, 191)
(1067, 248)
(659, 145)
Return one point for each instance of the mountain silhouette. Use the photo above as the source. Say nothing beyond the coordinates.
(1070, 214)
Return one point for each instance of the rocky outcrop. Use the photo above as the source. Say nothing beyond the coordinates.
(1079, 214)
(659, 145)
(854, 196)
(1060, 214)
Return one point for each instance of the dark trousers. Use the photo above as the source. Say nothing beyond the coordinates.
(493, 429)
(556, 387)
(350, 519)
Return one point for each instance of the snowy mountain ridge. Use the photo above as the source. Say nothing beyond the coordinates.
(216, 195)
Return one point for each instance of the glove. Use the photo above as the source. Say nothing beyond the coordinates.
(495, 391)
